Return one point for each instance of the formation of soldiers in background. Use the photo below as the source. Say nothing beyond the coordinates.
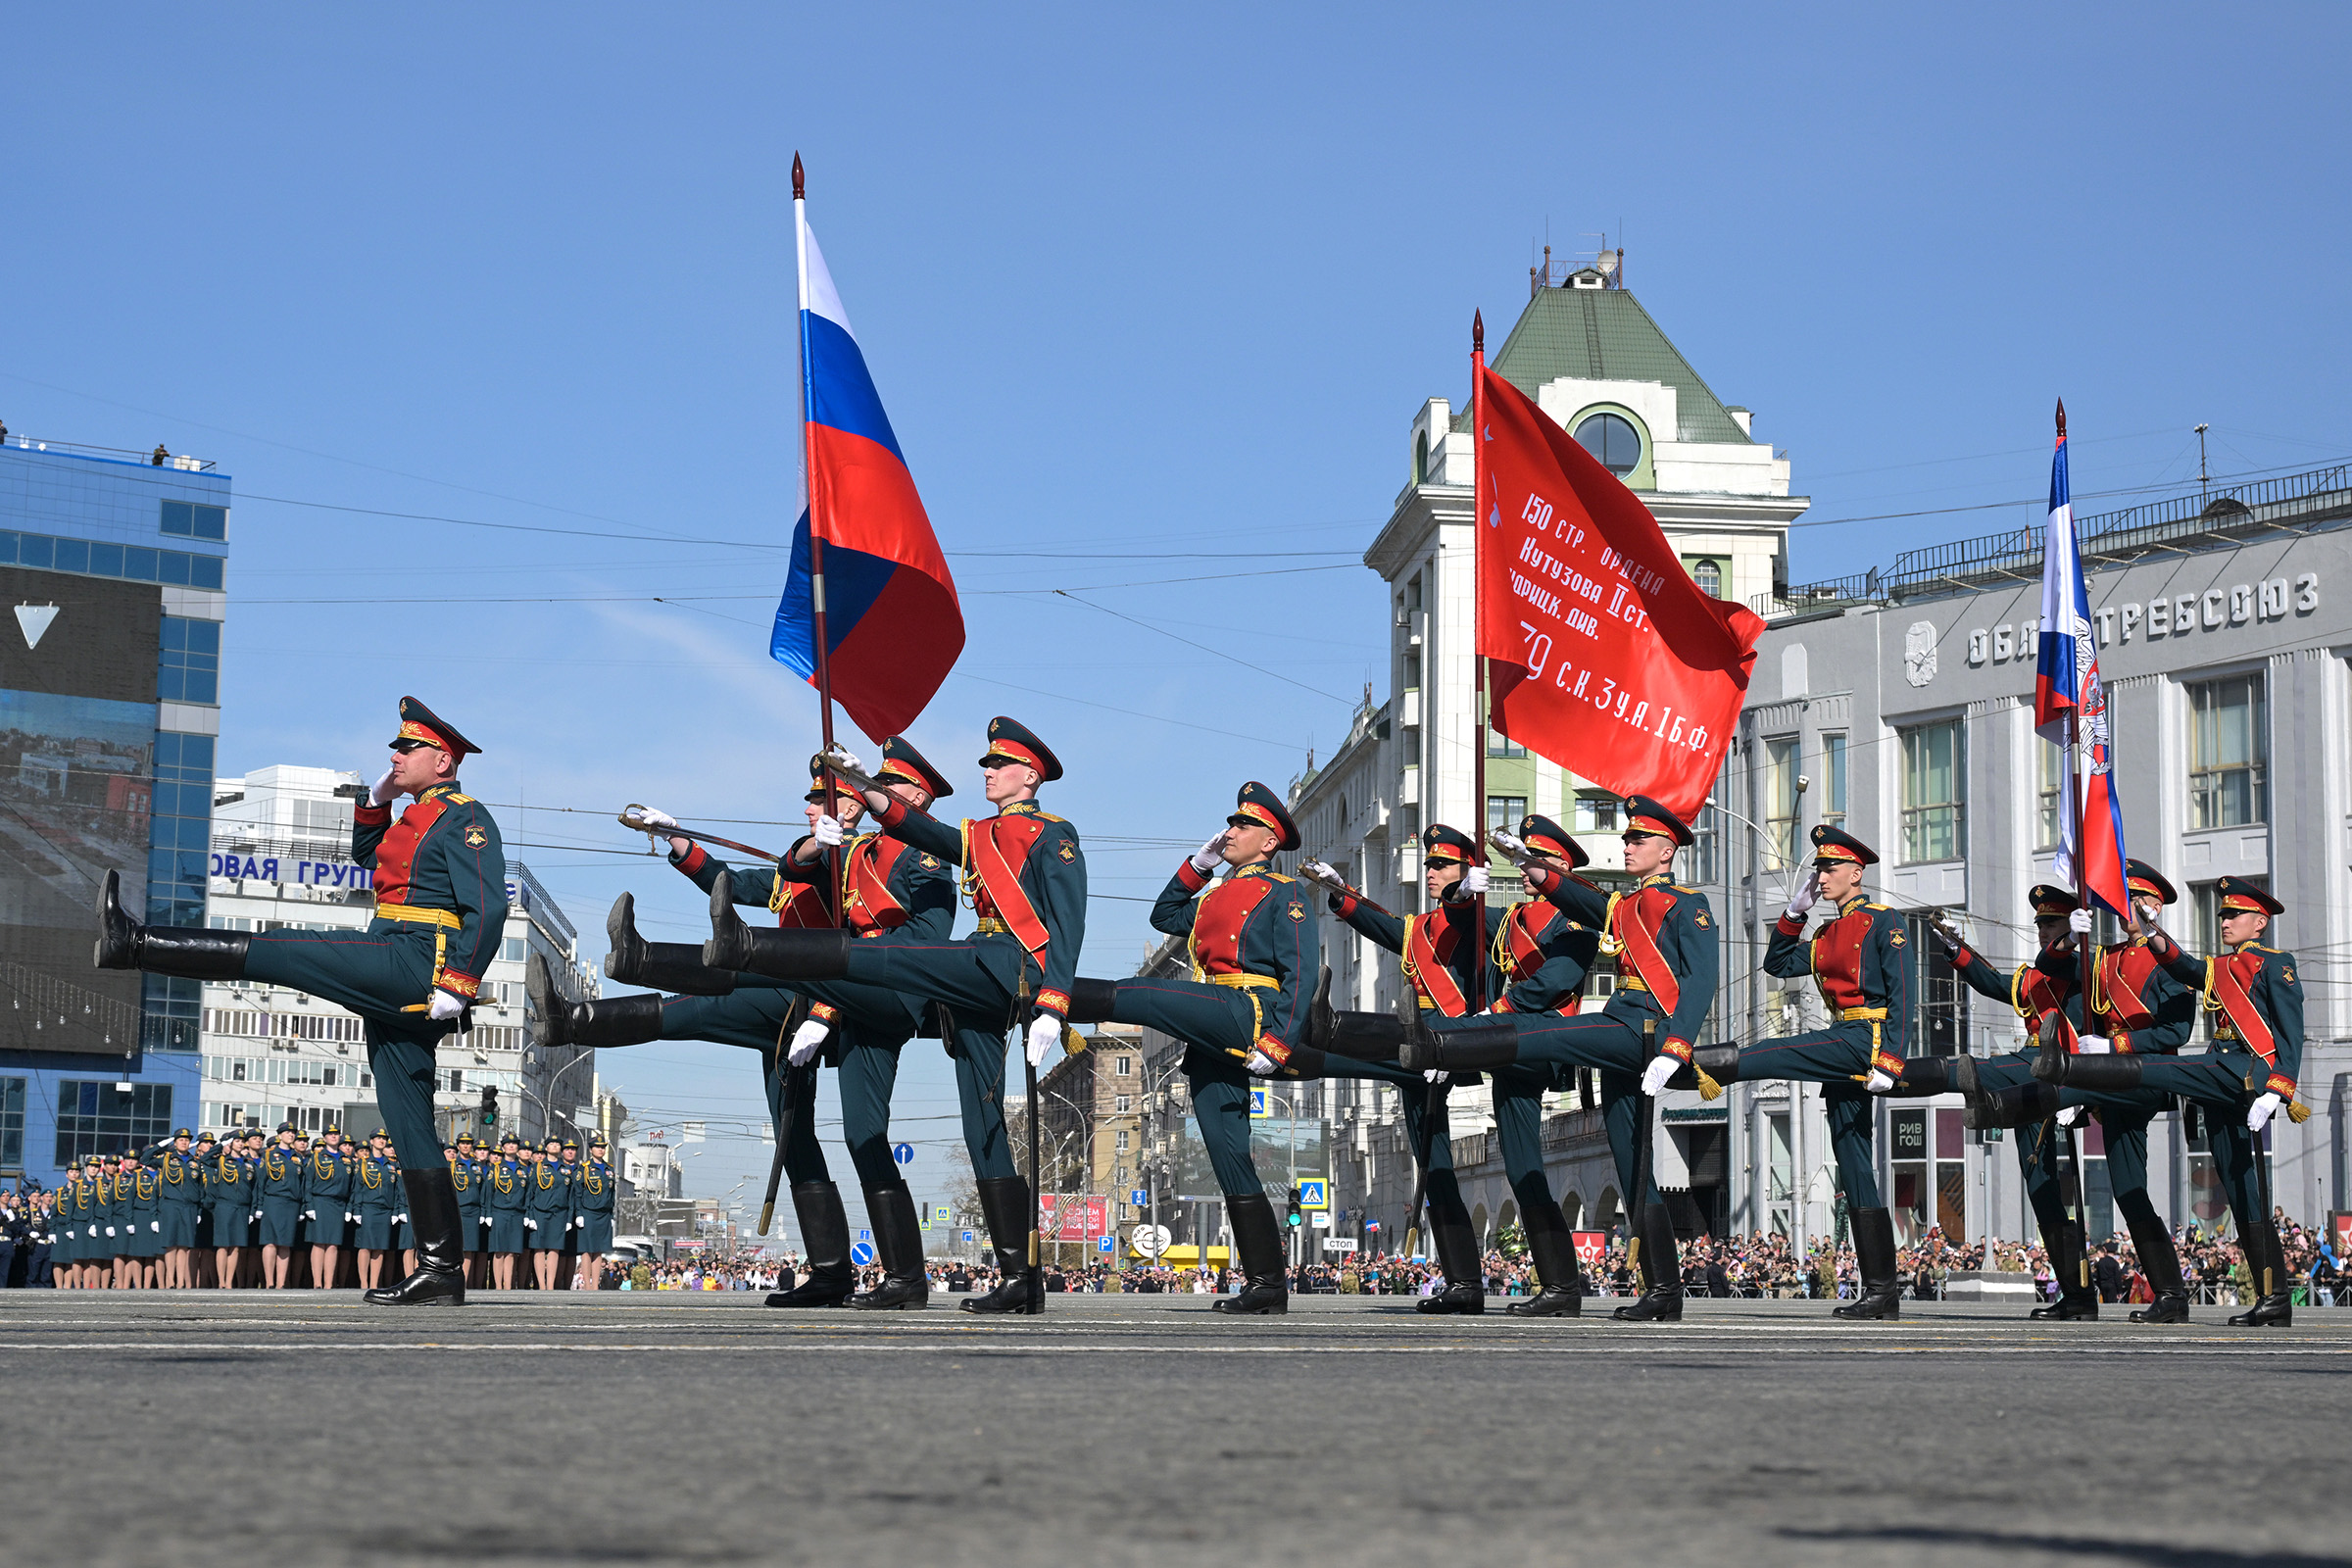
(284, 1214)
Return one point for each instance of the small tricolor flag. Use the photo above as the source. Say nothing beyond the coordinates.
(893, 625)
(2070, 708)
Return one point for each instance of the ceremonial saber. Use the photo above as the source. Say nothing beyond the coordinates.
(775, 1169)
(1033, 1292)
(637, 824)
(1642, 1136)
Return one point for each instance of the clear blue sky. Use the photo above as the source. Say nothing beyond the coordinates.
(1167, 287)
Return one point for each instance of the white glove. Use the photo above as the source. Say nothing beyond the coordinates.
(1318, 872)
(1206, 858)
(1045, 1033)
(844, 756)
(2068, 1116)
(1805, 896)
(384, 792)
(1474, 881)
(1512, 846)
(828, 832)
(1436, 1075)
(158, 1225)
(110, 1230)
(1881, 1083)
(309, 1213)
(652, 817)
(529, 1224)
(445, 1005)
(2078, 922)
(2262, 1110)
(2093, 1045)
(1257, 1065)
(1654, 1076)
(805, 1040)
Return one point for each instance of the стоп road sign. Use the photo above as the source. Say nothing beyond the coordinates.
(1338, 1243)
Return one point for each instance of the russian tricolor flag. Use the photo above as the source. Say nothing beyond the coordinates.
(892, 627)
(2070, 708)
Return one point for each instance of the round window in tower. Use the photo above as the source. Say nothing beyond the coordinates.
(1613, 439)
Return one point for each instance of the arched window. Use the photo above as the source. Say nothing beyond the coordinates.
(1709, 577)
(1612, 439)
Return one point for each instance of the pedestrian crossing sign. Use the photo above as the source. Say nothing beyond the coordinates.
(1259, 1108)
(942, 1213)
(1313, 1193)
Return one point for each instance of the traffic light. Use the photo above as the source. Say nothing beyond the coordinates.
(489, 1114)
(1293, 1216)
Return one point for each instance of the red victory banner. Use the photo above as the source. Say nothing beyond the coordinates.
(1602, 654)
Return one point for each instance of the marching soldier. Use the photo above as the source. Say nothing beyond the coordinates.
(326, 1204)
(1257, 949)
(593, 1196)
(1664, 937)
(1026, 879)
(2244, 1080)
(547, 1212)
(889, 886)
(1444, 964)
(179, 1187)
(440, 890)
(1858, 960)
(2133, 1007)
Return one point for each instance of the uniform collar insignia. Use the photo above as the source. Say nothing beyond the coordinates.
(1851, 903)
(1656, 879)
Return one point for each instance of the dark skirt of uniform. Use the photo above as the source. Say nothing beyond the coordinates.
(179, 1224)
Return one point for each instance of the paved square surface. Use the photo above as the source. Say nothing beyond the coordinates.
(258, 1428)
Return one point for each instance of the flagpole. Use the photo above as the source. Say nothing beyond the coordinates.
(2078, 800)
(817, 535)
(1478, 659)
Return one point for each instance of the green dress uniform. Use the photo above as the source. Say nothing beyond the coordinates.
(593, 1193)
(68, 1247)
(327, 1206)
(504, 1184)
(180, 1191)
(142, 1196)
(114, 1212)
(374, 1196)
(279, 1189)
(228, 1197)
(465, 1175)
(547, 1205)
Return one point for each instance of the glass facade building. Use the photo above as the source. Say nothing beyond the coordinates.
(115, 565)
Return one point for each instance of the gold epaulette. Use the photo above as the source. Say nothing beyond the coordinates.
(455, 798)
(1879, 908)
(1679, 888)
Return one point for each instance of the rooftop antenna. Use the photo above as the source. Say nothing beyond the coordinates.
(2201, 478)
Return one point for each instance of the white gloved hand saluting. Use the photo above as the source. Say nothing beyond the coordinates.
(445, 1005)
(805, 1040)
(1655, 1075)
(1802, 900)
(1208, 856)
(828, 832)
(2078, 922)
(1474, 882)
(1045, 1033)
(2262, 1110)
(2093, 1045)
(384, 792)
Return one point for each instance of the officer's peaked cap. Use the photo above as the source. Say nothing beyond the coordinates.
(1443, 846)
(419, 722)
(1645, 815)
(1546, 837)
(901, 761)
(1836, 844)
(1009, 739)
(1258, 806)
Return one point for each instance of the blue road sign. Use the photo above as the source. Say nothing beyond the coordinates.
(1105, 1243)
(904, 1154)
(1138, 1198)
(968, 1236)
(1313, 1193)
(865, 1235)
(862, 1254)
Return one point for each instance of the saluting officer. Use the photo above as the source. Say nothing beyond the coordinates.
(326, 1204)
(229, 1194)
(593, 1193)
(281, 1188)
(547, 1212)
(374, 1196)
(180, 1187)
(2244, 1080)
(1026, 879)
(505, 1194)
(1663, 936)
(440, 911)
(465, 1180)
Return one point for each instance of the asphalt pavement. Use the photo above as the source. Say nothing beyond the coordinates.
(200, 1427)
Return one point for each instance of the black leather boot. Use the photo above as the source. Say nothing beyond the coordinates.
(433, 1220)
(1660, 1266)
(1560, 1290)
(612, 1021)
(1090, 1000)
(1490, 1043)
(781, 953)
(192, 952)
(2158, 1261)
(2266, 1261)
(825, 1233)
(2024, 1105)
(2049, 1062)
(1359, 1036)
(899, 1240)
(1465, 1291)
(1935, 1076)
(1882, 1298)
(2113, 1073)
(1265, 1285)
(676, 966)
(1005, 1204)
(2076, 1303)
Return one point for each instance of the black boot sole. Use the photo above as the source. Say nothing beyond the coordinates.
(803, 1295)
(1547, 1303)
(1870, 1309)
(1236, 1306)
(883, 1299)
(2163, 1311)
(1639, 1313)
